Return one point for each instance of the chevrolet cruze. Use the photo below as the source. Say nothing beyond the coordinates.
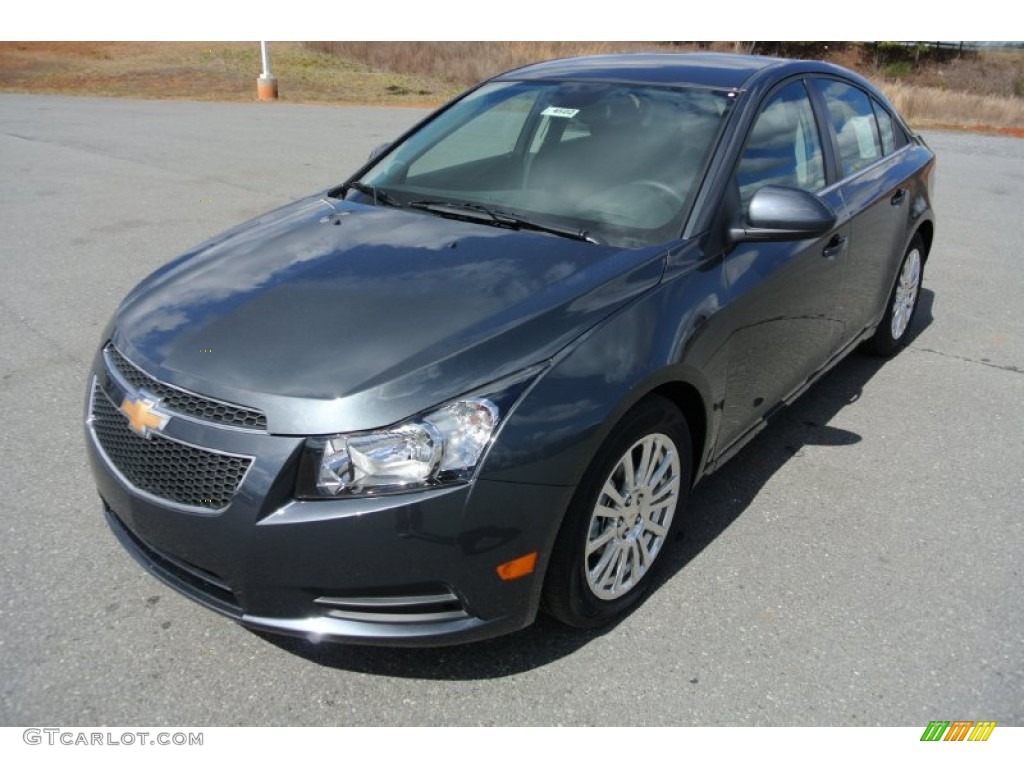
(479, 378)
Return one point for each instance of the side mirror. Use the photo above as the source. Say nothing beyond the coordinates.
(784, 213)
(378, 150)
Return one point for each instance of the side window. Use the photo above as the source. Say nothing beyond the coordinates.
(885, 130)
(901, 136)
(783, 147)
(854, 123)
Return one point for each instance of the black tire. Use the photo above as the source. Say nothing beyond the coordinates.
(642, 524)
(892, 332)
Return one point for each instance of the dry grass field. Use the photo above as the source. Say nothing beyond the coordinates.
(926, 106)
(207, 72)
(978, 92)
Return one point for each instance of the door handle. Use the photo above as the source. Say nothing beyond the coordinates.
(898, 198)
(835, 246)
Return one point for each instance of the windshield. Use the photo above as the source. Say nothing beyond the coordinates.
(619, 162)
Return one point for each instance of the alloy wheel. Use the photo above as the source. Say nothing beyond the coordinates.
(906, 293)
(632, 517)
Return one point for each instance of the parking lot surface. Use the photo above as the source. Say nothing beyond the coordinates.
(860, 563)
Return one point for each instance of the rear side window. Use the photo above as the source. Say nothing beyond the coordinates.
(901, 136)
(885, 130)
(854, 123)
(784, 147)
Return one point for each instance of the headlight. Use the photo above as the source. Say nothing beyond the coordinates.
(441, 447)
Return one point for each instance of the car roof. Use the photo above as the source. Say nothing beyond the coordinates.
(707, 70)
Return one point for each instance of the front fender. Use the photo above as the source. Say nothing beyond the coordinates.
(666, 338)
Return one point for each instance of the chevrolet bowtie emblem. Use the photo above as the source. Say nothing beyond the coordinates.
(143, 415)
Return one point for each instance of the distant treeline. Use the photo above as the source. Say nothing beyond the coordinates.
(880, 52)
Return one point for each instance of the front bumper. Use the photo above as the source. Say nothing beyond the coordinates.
(415, 569)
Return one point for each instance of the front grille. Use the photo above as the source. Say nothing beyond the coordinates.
(163, 467)
(180, 401)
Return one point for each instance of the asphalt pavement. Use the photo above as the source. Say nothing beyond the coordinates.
(860, 563)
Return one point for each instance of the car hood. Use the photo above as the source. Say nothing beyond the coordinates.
(333, 316)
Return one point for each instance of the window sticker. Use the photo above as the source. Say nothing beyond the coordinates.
(560, 112)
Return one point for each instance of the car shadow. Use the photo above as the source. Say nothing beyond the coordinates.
(714, 505)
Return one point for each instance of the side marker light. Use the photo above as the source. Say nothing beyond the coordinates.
(515, 569)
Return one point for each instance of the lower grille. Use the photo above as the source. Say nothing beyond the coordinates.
(193, 580)
(442, 605)
(162, 467)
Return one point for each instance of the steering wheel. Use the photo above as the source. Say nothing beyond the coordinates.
(660, 187)
(646, 203)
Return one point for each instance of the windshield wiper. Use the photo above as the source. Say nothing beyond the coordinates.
(498, 218)
(553, 229)
(379, 195)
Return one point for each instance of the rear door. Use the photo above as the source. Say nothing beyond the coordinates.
(875, 183)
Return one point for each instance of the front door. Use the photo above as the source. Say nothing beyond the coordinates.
(782, 295)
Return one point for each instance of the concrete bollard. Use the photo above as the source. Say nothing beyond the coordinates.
(266, 88)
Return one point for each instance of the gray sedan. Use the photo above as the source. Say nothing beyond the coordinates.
(480, 377)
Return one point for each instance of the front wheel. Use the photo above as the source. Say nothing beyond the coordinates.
(622, 518)
(891, 333)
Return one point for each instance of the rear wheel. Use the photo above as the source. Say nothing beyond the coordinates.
(622, 519)
(892, 331)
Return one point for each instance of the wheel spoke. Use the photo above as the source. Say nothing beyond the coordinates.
(645, 464)
(595, 544)
(630, 471)
(656, 528)
(645, 556)
(661, 469)
(897, 321)
(600, 571)
(612, 493)
(636, 568)
(666, 493)
(606, 578)
(620, 569)
(662, 513)
(603, 510)
(914, 269)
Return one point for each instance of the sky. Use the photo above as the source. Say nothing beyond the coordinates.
(518, 20)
